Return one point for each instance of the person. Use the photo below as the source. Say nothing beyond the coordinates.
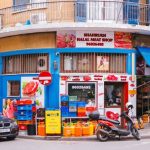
(101, 63)
(116, 95)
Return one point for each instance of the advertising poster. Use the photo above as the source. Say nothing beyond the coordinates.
(66, 39)
(9, 108)
(53, 122)
(32, 89)
(103, 63)
(123, 40)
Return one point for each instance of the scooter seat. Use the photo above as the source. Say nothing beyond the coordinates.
(110, 120)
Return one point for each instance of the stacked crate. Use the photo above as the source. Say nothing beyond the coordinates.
(24, 114)
(81, 111)
(72, 106)
(64, 105)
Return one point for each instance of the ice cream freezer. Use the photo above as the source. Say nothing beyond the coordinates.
(53, 121)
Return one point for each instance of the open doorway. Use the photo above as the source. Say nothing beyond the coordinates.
(115, 97)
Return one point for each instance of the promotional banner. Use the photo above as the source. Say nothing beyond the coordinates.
(9, 108)
(66, 39)
(32, 89)
(123, 40)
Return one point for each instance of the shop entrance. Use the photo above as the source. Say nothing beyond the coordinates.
(115, 97)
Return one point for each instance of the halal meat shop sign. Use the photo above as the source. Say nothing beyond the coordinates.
(44, 78)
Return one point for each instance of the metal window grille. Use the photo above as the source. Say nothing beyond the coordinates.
(93, 62)
(13, 88)
(27, 63)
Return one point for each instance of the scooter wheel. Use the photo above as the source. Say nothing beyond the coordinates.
(101, 136)
(136, 134)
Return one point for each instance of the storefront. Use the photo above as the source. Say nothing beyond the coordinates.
(25, 92)
(103, 92)
(97, 73)
(90, 71)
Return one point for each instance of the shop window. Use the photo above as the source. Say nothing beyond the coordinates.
(76, 62)
(13, 88)
(22, 63)
(93, 62)
(83, 91)
(113, 94)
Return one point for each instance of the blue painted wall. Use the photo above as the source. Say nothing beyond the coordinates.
(52, 90)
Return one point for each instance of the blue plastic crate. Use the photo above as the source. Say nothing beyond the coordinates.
(81, 104)
(73, 98)
(64, 98)
(72, 114)
(25, 112)
(65, 114)
(24, 117)
(24, 107)
(64, 108)
(72, 103)
(64, 111)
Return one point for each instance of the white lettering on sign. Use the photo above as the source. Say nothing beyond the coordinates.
(95, 39)
(81, 87)
(45, 78)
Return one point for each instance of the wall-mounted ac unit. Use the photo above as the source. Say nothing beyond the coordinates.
(42, 63)
(38, 18)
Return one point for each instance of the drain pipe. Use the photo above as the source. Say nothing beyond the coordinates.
(133, 66)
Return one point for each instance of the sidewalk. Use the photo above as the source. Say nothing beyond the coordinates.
(145, 133)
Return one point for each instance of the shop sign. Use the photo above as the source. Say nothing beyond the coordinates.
(45, 78)
(94, 39)
(81, 87)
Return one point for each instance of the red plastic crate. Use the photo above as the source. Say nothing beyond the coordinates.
(22, 127)
(33, 108)
(81, 114)
(24, 102)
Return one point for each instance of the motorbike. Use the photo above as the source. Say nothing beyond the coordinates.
(108, 128)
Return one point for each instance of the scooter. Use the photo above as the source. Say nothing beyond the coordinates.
(109, 129)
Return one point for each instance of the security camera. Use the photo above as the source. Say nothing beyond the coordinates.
(57, 53)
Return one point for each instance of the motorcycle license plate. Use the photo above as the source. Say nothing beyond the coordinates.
(4, 130)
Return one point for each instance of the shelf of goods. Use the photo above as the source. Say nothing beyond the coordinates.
(71, 107)
(26, 111)
(75, 121)
(143, 103)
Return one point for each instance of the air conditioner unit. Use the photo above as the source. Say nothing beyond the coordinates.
(42, 63)
(38, 18)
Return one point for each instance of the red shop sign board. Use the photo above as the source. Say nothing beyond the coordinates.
(45, 78)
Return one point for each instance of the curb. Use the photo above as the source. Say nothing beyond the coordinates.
(89, 138)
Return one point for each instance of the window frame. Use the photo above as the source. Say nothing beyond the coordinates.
(85, 83)
(10, 87)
